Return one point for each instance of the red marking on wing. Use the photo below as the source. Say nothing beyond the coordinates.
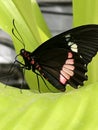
(70, 55)
(62, 79)
(32, 62)
(67, 70)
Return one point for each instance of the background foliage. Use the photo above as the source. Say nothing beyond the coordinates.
(73, 110)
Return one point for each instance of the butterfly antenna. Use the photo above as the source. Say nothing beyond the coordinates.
(13, 32)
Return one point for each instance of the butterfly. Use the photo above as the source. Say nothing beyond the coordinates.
(64, 58)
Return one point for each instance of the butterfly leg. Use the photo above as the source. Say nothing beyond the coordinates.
(22, 65)
(37, 74)
(38, 82)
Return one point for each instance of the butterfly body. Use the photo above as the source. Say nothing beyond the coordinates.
(63, 59)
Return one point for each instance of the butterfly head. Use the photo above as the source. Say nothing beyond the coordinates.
(25, 54)
(22, 52)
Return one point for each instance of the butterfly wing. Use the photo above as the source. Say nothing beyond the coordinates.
(82, 40)
(61, 66)
(79, 44)
(51, 62)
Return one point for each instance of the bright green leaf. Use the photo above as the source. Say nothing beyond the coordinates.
(74, 110)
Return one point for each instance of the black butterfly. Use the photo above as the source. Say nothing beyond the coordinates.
(63, 59)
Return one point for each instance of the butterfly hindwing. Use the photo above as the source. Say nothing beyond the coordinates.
(61, 66)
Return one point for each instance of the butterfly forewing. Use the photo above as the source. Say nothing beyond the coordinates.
(82, 40)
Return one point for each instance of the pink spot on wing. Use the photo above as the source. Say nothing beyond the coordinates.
(62, 79)
(70, 55)
(69, 61)
(32, 62)
(67, 70)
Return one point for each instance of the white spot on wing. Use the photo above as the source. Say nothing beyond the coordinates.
(67, 37)
(70, 43)
(73, 46)
(81, 56)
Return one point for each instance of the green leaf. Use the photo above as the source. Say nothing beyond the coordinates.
(72, 110)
